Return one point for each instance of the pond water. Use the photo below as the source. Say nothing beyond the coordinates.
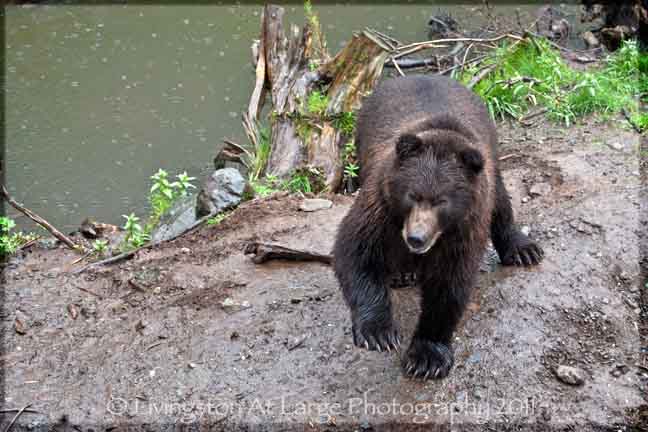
(99, 97)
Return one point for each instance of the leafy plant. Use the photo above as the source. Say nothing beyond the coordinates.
(351, 167)
(10, 242)
(100, 246)
(135, 234)
(345, 122)
(351, 170)
(163, 195)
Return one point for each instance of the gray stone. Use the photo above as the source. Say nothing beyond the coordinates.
(176, 220)
(540, 189)
(314, 204)
(591, 40)
(615, 145)
(223, 189)
(570, 375)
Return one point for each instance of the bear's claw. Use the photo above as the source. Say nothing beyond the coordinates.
(376, 338)
(426, 359)
(522, 251)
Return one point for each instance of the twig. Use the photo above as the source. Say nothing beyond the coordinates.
(40, 221)
(384, 36)
(508, 156)
(409, 49)
(81, 258)
(31, 411)
(17, 415)
(29, 243)
(474, 60)
(411, 63)
(509, 82)
(465, 57)
(529, 116)
(397, 67)
(480, 75)
(100, 297)
(377, 38)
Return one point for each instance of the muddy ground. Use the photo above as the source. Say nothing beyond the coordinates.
(203, 335)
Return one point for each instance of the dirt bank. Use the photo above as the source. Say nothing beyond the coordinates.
(205, 335)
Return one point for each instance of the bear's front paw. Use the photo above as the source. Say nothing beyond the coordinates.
(376, 336)
(521, 250)
(426, 359)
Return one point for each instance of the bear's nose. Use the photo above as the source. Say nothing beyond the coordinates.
(416, 241)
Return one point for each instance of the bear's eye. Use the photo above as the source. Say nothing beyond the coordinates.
(440, 201)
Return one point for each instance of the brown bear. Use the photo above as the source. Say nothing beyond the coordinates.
(431, 194)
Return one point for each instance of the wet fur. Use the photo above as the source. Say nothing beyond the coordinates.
(369, 249)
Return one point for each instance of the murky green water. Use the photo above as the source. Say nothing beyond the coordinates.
(99, 97)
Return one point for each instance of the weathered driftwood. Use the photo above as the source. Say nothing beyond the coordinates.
(39, 220)
(262, 252)
(289, 68)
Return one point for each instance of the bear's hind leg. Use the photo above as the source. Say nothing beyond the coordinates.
(512, 246)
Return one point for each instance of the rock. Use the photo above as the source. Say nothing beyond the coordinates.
(590, 40)
(570, 375)
(92, 229)
(315, 204)
(551, 23)
(223, 189)
(230, 306)
(619, 370)
(525, 230)
(615, 145)
(441, 25)
(540, 189)
(181, 216)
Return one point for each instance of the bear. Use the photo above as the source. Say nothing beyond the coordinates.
(430, 196)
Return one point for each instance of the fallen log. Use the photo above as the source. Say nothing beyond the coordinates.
(262, 252)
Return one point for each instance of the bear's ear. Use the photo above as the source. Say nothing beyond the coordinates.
(408, 145)
(472, 160)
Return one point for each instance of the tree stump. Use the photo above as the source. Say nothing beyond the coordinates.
(290, 68)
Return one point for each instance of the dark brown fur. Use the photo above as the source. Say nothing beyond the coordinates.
(425, 141)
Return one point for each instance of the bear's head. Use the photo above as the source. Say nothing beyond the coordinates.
(433, 185)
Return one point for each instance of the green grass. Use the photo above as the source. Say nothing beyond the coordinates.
(532, 73)
(218, 218)
(259, 159)
(317, 103)
(640, 120)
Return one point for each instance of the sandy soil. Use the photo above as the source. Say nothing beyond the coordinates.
(202, 335)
